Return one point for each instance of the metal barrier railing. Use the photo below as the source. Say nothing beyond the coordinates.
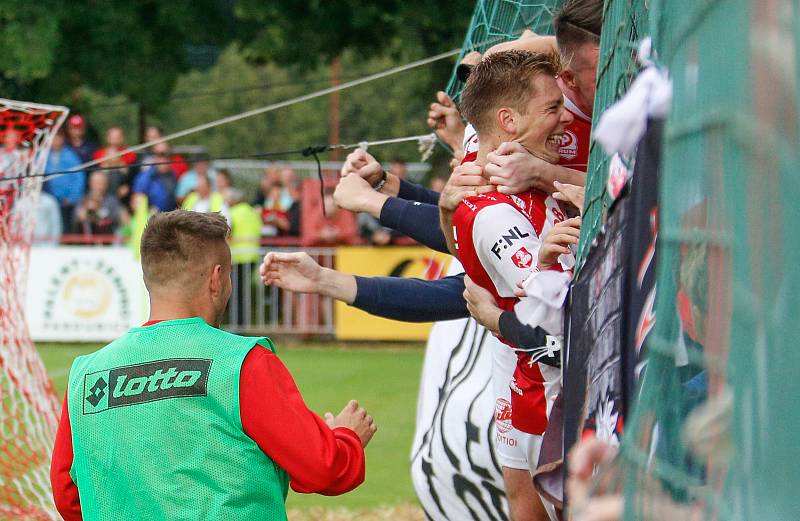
(255, 309)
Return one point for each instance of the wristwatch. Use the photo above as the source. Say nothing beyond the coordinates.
(377, 186)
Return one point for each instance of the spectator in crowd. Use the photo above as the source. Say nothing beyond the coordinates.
(48, 221)
(330, 229)
(119, 177)
(158, 183)
(100, 212)
(270, 178)
(152, 133)
(438, 183)
(245, 228)
(115, 142)
(371, 230)
(398, 168)
(11, 154)
(67, 189)
(188, 181)
(279, 204)
(76, 136)
(224, 183)
(245, 244)
(204, 199)
(274, 217)
(291, 192)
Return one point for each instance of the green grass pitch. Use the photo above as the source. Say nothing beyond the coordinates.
(384, 379)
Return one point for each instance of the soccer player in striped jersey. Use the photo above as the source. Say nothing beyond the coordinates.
(514, 96)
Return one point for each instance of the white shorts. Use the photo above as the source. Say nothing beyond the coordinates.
(515, 449)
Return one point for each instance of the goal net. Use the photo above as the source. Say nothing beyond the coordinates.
(497, 21)
(30, 406)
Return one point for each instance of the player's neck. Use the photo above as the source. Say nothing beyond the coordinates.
(488, 145)
(169, 309)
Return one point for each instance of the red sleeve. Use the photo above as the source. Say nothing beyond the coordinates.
(318, 459)
(100, 153)
(65, 492)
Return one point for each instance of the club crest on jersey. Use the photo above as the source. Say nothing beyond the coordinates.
(569, 145)
(522, 258)
(140, 383)
(507, 240)
(502, 415)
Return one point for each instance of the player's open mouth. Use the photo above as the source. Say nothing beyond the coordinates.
(554, 141)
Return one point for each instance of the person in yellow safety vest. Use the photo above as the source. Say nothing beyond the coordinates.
(245, 229)
(245, 242)
(204, 200)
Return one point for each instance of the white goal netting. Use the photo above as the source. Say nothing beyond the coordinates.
(30, 406)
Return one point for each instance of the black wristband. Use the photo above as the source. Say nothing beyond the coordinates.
(377, 186)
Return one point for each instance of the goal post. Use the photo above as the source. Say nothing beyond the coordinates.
(30, 407)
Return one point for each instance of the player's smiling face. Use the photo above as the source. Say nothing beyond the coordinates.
(541, 128)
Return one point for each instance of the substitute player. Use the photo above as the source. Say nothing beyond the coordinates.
(513, 96)
(178, 420)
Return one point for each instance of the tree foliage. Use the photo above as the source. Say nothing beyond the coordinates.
(138, 49)
(315, 31)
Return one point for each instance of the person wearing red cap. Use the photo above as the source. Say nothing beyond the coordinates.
(76, 138)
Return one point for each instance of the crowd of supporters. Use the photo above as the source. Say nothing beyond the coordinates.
(101, 204)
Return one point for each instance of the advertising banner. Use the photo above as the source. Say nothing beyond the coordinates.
(84, 294)
(412, 261)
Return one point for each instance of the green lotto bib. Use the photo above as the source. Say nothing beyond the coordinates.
(157, 433)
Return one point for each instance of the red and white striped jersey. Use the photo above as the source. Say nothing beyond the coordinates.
(498, 240)
(574, 149)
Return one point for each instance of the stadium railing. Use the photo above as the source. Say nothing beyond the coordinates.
(257, 309)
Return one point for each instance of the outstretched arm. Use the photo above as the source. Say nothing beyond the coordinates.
(409, 218)
(409, 300)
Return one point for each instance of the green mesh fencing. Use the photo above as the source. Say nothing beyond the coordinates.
(496, 21)
(625, 22)
(714, 432)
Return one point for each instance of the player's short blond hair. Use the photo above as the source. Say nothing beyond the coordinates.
(504, 79)
(177, 247)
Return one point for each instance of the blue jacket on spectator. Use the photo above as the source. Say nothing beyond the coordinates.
(159, 188)
(69, 187)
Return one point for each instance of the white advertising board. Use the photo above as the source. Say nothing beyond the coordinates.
(84, 294)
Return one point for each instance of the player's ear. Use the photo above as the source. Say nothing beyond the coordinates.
(506, 120)
(567, 77)
(216, 280)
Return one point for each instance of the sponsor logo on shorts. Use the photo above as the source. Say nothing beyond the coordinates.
(507, 240)
(135, 384)
(502, 415)
(522, 258)
(506, 440)
(569, 145)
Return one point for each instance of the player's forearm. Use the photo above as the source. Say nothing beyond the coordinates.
(412, 300)
(416, 220)
(337, 285)
(347, 471)
(414, 192)
(317, 458)
(446, 224)
(549, 173)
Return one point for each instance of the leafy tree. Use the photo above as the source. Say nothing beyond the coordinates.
(316, 31)
(136, 49)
